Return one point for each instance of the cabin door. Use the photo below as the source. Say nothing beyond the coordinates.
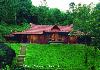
(54, 37)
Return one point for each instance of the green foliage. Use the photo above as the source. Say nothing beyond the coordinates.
(87, 19)
(98, 6)
(54, 56)
(6, 55)
(15, 47)
(9, 9)
(2, 53)
(48, 16)
(81, 17)
(95, 26)
(6, 29)
(23, 11)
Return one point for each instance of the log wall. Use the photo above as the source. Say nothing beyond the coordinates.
(72, 39)
(42, 39)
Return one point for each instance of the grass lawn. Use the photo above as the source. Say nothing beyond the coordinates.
(15, 46)
(67, 56)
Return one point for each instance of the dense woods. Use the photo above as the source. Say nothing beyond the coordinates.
(15, 15)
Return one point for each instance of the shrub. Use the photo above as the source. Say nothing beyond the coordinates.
(6, 55)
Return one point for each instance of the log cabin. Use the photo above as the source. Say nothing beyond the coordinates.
(44, 34)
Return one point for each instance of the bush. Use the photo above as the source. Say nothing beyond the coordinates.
(18, 68)
(6, 55)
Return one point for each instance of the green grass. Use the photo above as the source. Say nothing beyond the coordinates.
(15, 46)
(70, 57)
(55, 55)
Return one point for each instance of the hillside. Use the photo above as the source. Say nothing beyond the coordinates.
(54, 56)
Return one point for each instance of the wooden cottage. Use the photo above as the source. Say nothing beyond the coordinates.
(45, 34)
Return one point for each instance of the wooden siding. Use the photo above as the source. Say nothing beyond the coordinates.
(32, 38)
(44, 39)
(72, 39)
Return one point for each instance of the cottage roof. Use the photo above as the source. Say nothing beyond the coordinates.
(39, 29)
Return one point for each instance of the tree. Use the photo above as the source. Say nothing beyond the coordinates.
(42, 14)
(54, 16)
(10, 10)
(72, 5)
(23, 11)
(81, 17)
(86, 19)
(96, 25)
(98, 6)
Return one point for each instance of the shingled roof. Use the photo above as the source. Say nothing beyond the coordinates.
(39, 29)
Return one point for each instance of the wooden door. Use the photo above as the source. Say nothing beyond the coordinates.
(54, 37)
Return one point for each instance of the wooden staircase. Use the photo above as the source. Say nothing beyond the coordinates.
(21, 56)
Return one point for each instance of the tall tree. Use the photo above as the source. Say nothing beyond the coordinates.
(98, 6)
(10, 8)
(81, 17)
(95, 25)
(23, 10)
